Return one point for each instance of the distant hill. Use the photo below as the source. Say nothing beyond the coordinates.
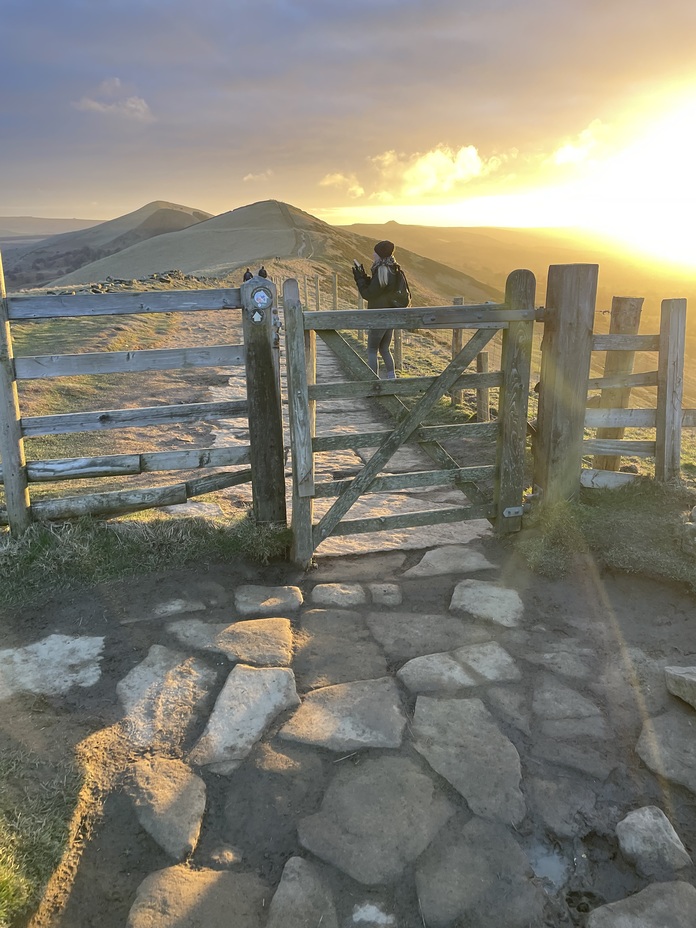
(272, 232)
(489, 254)
(39, 262)
(38, 227)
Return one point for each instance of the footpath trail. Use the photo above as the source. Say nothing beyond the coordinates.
(401, 739)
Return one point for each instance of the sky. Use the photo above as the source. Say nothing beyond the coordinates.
(578, 113)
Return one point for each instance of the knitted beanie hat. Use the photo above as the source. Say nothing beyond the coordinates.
(384, 249)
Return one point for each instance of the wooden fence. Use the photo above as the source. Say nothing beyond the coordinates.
(265, 454)
(568, 343)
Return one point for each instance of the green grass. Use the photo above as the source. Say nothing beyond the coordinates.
(37, 799)
(69, 555)
(638, 529)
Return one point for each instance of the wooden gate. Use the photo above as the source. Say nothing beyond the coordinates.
(515, 317)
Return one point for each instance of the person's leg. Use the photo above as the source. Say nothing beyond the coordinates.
(384, 343)
(374, 338)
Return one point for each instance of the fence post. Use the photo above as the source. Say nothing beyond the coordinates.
(335, 291)
(565, 368)
(398, 349)
(670, 387)
(515, 364)
(483, 404)
(14, 465)
(316, 293)
(625, 320)
(259, 306)
(301, 368)
(306, 294)
(457, 345)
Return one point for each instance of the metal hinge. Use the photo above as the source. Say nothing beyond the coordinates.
(513, 511)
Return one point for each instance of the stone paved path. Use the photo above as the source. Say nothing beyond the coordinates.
(385, 743)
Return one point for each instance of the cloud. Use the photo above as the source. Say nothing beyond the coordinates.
(579, 150)
(110, 99)
(348, 182)
(263, 175)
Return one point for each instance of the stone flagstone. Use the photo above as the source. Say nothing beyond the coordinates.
(681, 682)
(460, 740)
(302, 898)
(489, 662)
(563, 803)
(667, 744)
(176, 607)
(262, 642)
(249, 701)
(660, 905)
(350, 716)
(263, 601)
(178, 897)
(435, 675)
(340, 595)
(485, 600)
(477, 874)
(450, 559)
(404, 635)
(51, 666)
(164, 695)
(647, 838)
(568, 658)
(376, 819)
(169, 801)
(335, 646)
(565, 713)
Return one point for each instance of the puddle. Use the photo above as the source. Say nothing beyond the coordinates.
(548, 863)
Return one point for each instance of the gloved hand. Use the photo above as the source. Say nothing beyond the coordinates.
(359, 272)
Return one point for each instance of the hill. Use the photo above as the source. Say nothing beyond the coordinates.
(39, 262)
(39, 227)
(491, 253)
(288, 240)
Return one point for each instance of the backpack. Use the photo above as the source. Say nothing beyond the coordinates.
(402, 295)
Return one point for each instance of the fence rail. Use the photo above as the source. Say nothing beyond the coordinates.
(262, 407)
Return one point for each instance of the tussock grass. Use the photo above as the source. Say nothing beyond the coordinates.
(638, 528)
(36, 802)
(54, 556)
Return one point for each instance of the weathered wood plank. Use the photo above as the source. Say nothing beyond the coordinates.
(118, 501)
(427, 478)
(633, 418)
(407, 386)
(115, 465)
(483, 404)
(11, 443)
(428, 434)
(457, 344)
(120, 304)
(301, 424)
(620, 446)
(565, 368)
(481, 316)
(41, 367)
(413, 520)
(403, 430)
(263, 397)
(142, 417)
(595, 479)
(645, 379)
(625, 320)
(625, 342)
(670, 389)
(213, 482)
(688, 418)
(516, 359)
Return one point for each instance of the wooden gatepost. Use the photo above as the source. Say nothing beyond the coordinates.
(565, 370)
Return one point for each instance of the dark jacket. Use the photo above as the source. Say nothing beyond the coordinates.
(247, 274)
(262, 272)
(377, 297)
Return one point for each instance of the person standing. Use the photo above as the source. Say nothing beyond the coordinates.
(382, 289)
(262, 272)
(247, 275)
